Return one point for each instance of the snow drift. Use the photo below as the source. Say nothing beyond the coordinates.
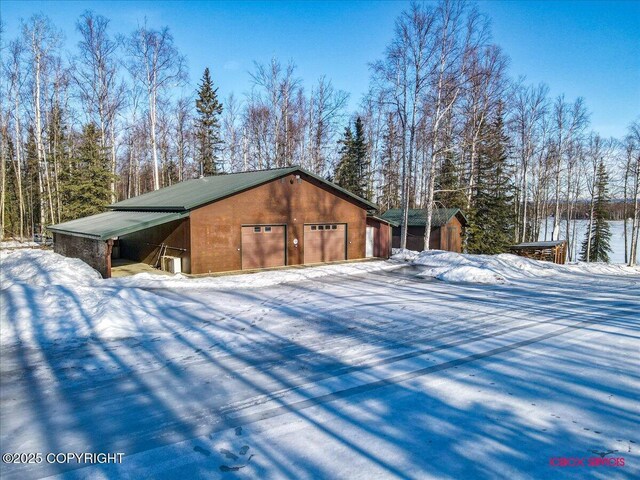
(498, 269)
(45, 297)
(248, 280)
(43, 267)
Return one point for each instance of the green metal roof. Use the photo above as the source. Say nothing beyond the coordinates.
(418, 216)
(114, 224)
(190, 194)
(175, 202)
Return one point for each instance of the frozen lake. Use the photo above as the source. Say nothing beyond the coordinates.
(617, 236)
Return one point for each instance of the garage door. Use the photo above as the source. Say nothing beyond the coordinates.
(325, 243)
(263, 246)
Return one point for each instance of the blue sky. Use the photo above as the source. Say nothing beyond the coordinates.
(579, 48)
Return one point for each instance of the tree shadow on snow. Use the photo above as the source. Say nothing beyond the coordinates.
(387, 374)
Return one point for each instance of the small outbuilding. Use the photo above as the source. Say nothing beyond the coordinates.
(551, 251)
(249, 220)
(447, 228)
(378, 241)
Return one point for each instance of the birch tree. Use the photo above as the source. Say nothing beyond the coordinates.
(456, 36)
(42, 40)
(570, 121)
(633, 140)
(156, 64)
(530, 105)
(403, 78)
(13, 70)
(97, 79)
(326, 105)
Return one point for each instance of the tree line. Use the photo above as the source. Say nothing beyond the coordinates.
(442, 124)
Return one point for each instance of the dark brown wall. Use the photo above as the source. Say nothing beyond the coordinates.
(92, 252)
(415, 238)
(216, 228)
(381, 238)
(141, 246)
(448, 237)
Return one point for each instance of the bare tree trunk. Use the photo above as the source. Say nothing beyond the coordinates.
(525, 203)
(3, 177)
(429, 213)
(56, 182)
(113, 161)
(41, 154)
(405, 198)
(18, 169)
(569, 210)
(472, 167)
(154, 147)
(556, 213)
(635, 229)
(625, 212)
(591, 210)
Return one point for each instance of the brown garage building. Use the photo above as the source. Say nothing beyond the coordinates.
(248, 220)
(447, 228)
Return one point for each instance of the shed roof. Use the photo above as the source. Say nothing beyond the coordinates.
(547, 244)
(190, 194)
(115, 223)
(418, 216)
(383, 220)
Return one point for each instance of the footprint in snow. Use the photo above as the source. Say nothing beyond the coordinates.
(228, 454)
(238, 431)
(603, 453)
(201, 450)
(235, 468)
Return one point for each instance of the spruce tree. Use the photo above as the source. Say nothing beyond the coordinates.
(208, 137)
(344, 174)
(12, 223)
(359, 147)
(596, 247)
(351, 171)
(491, 219)
(85, 186)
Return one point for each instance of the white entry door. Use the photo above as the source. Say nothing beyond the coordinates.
(369, 249)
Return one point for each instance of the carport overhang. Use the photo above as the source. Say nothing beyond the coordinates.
(91, 238)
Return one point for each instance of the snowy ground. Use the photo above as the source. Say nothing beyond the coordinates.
(10, 244)
(371, 370)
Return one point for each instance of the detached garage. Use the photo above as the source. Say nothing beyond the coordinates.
(447, 228)
(260, 219)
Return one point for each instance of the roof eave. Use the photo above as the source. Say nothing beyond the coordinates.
(118, 232)
(171, 209)
(76, 234)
